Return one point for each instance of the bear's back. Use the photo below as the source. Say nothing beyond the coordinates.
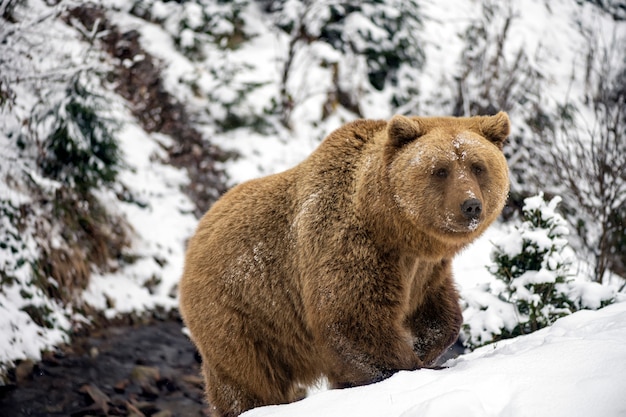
(249, 218)
(256, 241)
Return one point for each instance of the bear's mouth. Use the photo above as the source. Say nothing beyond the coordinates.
(458, 226)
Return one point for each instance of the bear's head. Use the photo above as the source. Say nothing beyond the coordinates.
(448, 176)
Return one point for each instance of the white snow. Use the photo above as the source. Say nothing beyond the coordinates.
(160, 230)
(575, 368)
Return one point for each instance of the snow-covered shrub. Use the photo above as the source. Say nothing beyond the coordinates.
(14, 253)
(194, 25)
(375, 45)
(535, 280)
(534, 267)
(80, 149)
(385, 33)
(218, 22)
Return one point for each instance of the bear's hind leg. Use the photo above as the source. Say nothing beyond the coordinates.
(225, 397)
(229, 398)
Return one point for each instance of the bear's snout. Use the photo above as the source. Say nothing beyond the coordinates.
(471, 208)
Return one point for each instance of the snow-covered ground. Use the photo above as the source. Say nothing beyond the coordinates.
(575, 368)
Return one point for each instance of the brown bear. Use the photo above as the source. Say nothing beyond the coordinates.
(341, 266)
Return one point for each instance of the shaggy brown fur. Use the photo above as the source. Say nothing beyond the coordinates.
(341, 266)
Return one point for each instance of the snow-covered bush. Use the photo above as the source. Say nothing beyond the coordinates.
(534, 268)
(535, 280)
(194, 24)
(368, 47)
(385, 33)
(79, 149)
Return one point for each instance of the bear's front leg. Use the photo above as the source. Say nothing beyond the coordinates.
(437, 321)
(358, 321)
(362, 352)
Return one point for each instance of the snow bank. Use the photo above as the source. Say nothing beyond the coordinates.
(577, 367)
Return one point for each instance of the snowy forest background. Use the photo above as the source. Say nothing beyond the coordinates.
(121, 122)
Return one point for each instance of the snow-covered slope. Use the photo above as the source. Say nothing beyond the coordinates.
(575, 368)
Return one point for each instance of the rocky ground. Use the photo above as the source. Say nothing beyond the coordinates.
(141, 370)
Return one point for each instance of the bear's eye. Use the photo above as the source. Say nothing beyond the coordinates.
(441, 173)
(477, 169)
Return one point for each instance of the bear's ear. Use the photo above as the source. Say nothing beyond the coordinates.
(495, 128)
(402, 130)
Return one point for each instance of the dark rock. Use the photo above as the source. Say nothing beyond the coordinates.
(120, 386)
(100, 399)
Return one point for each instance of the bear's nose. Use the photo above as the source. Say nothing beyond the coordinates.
(471, 208)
